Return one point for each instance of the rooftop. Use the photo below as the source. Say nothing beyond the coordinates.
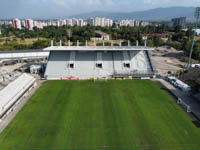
(98, 48)
(101, 33)
(20, 51)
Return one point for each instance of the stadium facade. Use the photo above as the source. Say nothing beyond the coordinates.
(84, 62)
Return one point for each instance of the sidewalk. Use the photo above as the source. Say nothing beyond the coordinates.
(185, 96)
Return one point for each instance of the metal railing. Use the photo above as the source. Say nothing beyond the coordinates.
(134, 73)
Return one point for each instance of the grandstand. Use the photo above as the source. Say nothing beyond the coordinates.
(13, 92)
(85, 62)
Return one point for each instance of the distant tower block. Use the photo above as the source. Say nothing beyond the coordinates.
(0, 32)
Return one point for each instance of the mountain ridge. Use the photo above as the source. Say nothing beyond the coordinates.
(157, 14)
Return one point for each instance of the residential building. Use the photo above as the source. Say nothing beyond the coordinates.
(154, 35)
(80, 22)
(38, 24)
(132, 23)
(108, 22)
(98, 21)
(127, 22)
(29, 24)
(49, 23)
(69, 22)
(23, 23)
(91, 21)
(16, 23)
(74, 22)
(137, 23)
(144, 23)
(101, 36)
(178, 22)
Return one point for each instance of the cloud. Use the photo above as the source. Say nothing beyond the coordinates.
(174, 2)
(153, 2)
(69, 3)
(60, 8)
(93, 2)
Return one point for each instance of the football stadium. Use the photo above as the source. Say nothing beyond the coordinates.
(97, 98)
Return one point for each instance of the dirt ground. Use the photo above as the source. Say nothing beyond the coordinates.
(27, 41)
(10, 68)
(166, 59)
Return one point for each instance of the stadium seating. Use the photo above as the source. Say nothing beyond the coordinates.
(118, 61)
(58, 64)
(96, 64)
(140, 62)
(84, 65)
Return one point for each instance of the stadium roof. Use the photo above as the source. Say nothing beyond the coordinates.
(99, 48)
(16, 54)
(13, 91)
(21, 51)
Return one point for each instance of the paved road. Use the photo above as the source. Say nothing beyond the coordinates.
(185, 96)
(8, 38)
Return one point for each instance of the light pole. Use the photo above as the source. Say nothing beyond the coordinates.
(197, 15)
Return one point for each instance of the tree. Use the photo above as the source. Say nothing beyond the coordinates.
(139, 38)
(21, 46)
(178, 29)
(187, 46)
(39, 44)
(189, 33)
(150, 43)
(115, 44)
(196, 54)
(178, 36)
(114, 25)
(157, 41)
(107, 44)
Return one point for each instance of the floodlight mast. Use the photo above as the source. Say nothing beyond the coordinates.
(197, 16)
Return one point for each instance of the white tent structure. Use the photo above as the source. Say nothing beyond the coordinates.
(10, 94)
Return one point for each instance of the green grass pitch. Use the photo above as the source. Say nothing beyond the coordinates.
(108, 115)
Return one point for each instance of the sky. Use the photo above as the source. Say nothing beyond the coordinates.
(55, 9)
